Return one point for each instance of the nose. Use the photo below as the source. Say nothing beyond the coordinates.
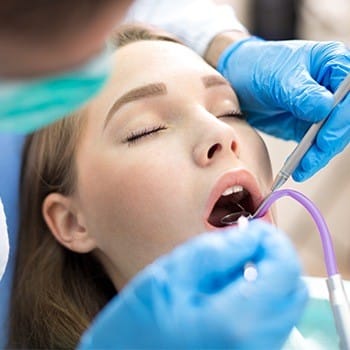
(214, 141)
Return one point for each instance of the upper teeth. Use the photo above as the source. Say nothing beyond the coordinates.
(233, 189)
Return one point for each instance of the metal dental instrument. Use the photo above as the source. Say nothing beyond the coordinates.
(294, 159)
(299, 151)
(233, 217)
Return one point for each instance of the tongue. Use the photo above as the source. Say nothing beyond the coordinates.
(226, 205)
(216, 216)
(219, 212)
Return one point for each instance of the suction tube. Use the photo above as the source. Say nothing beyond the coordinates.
(337, 295)
(327, 244)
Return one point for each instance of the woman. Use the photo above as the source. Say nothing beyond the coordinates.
(161, 155)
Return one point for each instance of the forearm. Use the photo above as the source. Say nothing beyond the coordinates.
(194, 22)
(220, 42)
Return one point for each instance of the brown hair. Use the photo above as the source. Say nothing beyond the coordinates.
(56, 292)
(129, 33)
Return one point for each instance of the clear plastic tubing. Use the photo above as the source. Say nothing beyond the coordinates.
(327, 244)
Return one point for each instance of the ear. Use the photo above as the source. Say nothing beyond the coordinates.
(65, 224)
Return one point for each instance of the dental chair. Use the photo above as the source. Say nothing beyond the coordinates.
(10, 157)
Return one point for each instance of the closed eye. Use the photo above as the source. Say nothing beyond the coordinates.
(135, 136)
(233, 114)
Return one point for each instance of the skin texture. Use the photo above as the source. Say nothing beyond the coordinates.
(135, 201)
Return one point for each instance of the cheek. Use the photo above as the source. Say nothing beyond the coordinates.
(153, 193)
(254, 153)
(135, 200)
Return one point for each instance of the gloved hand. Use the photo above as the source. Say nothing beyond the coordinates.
(285, 86)
(197, 297)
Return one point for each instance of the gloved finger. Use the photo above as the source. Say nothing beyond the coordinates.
(335, 133)
(283, 315)
(307, 99)
(276, 262)
(338, 72)
(299, 128)
(314, 160)
(262, 315)
(215, 259)
(278, 267)
(334, 65)
(333, 137)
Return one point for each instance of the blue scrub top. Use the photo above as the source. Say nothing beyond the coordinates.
(10, 160)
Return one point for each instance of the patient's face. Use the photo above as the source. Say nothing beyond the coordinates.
(158, 151)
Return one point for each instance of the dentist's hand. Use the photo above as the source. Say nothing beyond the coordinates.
(197, 297)
(285, 86)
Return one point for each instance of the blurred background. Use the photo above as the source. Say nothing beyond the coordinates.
(330, 188)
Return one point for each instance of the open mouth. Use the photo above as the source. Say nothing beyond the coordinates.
(234, 201)
(236, 193)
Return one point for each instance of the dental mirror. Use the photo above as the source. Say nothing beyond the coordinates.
(232, 218)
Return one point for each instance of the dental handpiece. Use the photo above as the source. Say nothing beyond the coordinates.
(299, 151)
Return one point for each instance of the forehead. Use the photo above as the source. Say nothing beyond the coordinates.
(149, 61)
(146, 61)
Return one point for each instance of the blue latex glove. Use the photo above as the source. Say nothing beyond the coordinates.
(285, 86)
(197, 297)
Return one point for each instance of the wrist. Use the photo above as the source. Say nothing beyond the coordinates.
(220, 42)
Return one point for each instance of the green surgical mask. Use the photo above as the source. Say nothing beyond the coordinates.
(27, 105)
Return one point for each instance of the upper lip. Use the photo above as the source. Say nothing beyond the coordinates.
(231, 178)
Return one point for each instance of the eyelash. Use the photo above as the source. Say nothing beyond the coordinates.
(135, 136)
(234, 114)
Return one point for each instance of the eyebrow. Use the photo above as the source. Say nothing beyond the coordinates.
(156, 89)
(214, 80)
(149, 90)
